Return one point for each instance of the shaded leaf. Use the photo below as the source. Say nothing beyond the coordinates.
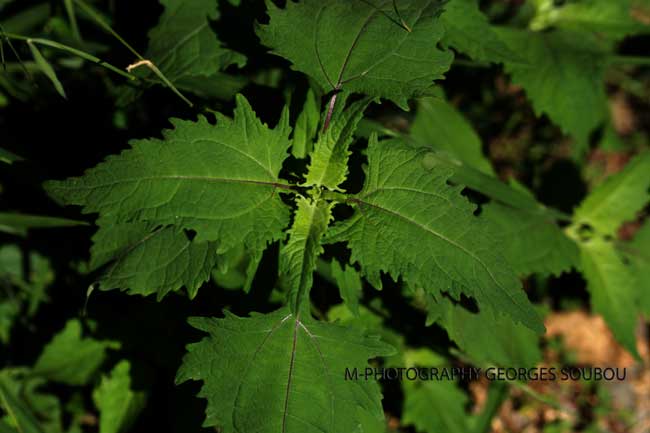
(532, 243)
(70, 358)
(301, 363)
(412, 224)
(146, 259)
(336, 43)
(467, 30)
(438, 124)
(569, 87)
(613, 289)
(220, 181)
(618, 198)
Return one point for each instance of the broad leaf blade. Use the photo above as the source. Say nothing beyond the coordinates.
(438, 124)
(184, 47)
(435, 406)
(618, 199)
(613, 289)
(145, 259)
(70, 358)
(412, 224)
(299, 361)
(467, 30)
(564, 87)
(335, 42)
(220, 181)
(502, 343)
(531, 242)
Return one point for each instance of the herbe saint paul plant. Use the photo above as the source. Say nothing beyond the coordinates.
(419, 211)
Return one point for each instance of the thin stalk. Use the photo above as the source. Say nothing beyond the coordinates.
(76, 52)
(141, 60)
(104, 25)
(161, 76)
(72, 18)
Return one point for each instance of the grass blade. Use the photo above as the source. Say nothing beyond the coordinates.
(46, 68)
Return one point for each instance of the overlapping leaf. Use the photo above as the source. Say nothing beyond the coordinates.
(186, 49)
(145, 259)
(502, 344)
(562, 75)
(329, 160)
(412, 224)
(531, 242)
(618, 199)
(361, 46)
(467, 30)
(438, 124)
(280, 372)
(613, 289)
(298, 256)
(70, 358)
(220, 181)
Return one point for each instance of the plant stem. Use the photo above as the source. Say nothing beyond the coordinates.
(76, 52)
(99, 20)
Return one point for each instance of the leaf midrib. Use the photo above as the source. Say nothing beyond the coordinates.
(444, 238)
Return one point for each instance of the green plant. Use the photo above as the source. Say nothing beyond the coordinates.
(420, 211)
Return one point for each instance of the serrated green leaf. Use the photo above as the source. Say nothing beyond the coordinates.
(570, 88)
(435, 406)
(298, 256)
(335, 42)
(118, 404)
(618, 199)
(46, 68)
(20, 415)
(438, 124)
(299, 361)
(613, 289)
(220, 181)
(467, 30)
(183, 45)
(531, 242)
(306, 127)
(146, 259)
(70, 358)
(328, 165)
(487, 341)
(412, 224)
